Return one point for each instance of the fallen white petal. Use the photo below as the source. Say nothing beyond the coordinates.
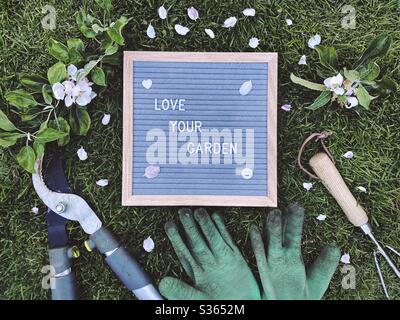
(321, 217)
(348, 155)
(181, 29)
(210, 33)
(362, 189)
(147, 83)
(287, 107)
(303, 60)
(230, 22)
(314, 41)
(247, 173)
(249, 12)
(151, 171)
(246, 87)
(82, 154)
(289, 22)
(307, 185)
(254, 42)
(345, 258)
(102, 182)
(151, 33)
(35, 210)
(148, 244)
(162, 12)
(193, 14)
(106, 119)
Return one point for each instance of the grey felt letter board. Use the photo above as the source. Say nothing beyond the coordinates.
(199, 129)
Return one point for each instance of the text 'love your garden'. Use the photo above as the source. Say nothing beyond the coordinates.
(191, 142)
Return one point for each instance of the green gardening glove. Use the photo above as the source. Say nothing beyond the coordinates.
(211, 260)
(281, 266)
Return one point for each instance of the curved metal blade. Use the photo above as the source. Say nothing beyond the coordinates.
(67, 205)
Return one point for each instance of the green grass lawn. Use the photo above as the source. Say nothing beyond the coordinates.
(374, 137)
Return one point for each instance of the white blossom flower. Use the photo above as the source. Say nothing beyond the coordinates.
(230, 22)
(35, 210)
(314, 41)
(106, 119)
(71, 91)
(58, 91)
(210, 33)
(345, 258)
(181, 29)
(348, 155)
(249, 12)
(148, 244)
(321, 217)
(351, 102)
(151, 32)
(193, 14)
(289, 22)
(286, 107)
(82, 154)
(362, 189)
(303, 60)
(162, 12)
(102, 182)
(334, 84)
(307, 185)
(254, 42)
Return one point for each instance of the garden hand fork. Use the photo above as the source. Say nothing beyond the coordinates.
(333, 181)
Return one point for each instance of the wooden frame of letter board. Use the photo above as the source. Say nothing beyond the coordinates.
(129, 199)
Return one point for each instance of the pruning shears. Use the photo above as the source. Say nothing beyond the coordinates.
(52, 187)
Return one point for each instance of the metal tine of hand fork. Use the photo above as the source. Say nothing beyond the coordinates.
(381, 252)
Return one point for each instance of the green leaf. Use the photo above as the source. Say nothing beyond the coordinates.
(364, 99)
(111, 50)
(115, 30)
(307, 84)
(84, 121)
(98, 76)
(328, 57)
(62, 125)
(58, 50)
(87, 32)
(8, 139)
(113, 60)
(104, 4)
(352, 75)
(378, 48)
(75, 57)
(26, 158)
(76, 43)
(385, 86)
(370, 71)
(87, 69)
(98, 29)
(49, 134)
(47, 94)
(20, 99)
(76, 49)
(33, 82)
(57, 73)
(5, 123)
(39, 149)
(321, 101)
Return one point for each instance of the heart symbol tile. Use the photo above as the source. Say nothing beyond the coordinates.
(147, 83)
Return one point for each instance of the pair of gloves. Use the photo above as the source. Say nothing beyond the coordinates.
(219, 272)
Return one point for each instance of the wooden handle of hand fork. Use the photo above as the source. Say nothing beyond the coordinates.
(333, 181)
